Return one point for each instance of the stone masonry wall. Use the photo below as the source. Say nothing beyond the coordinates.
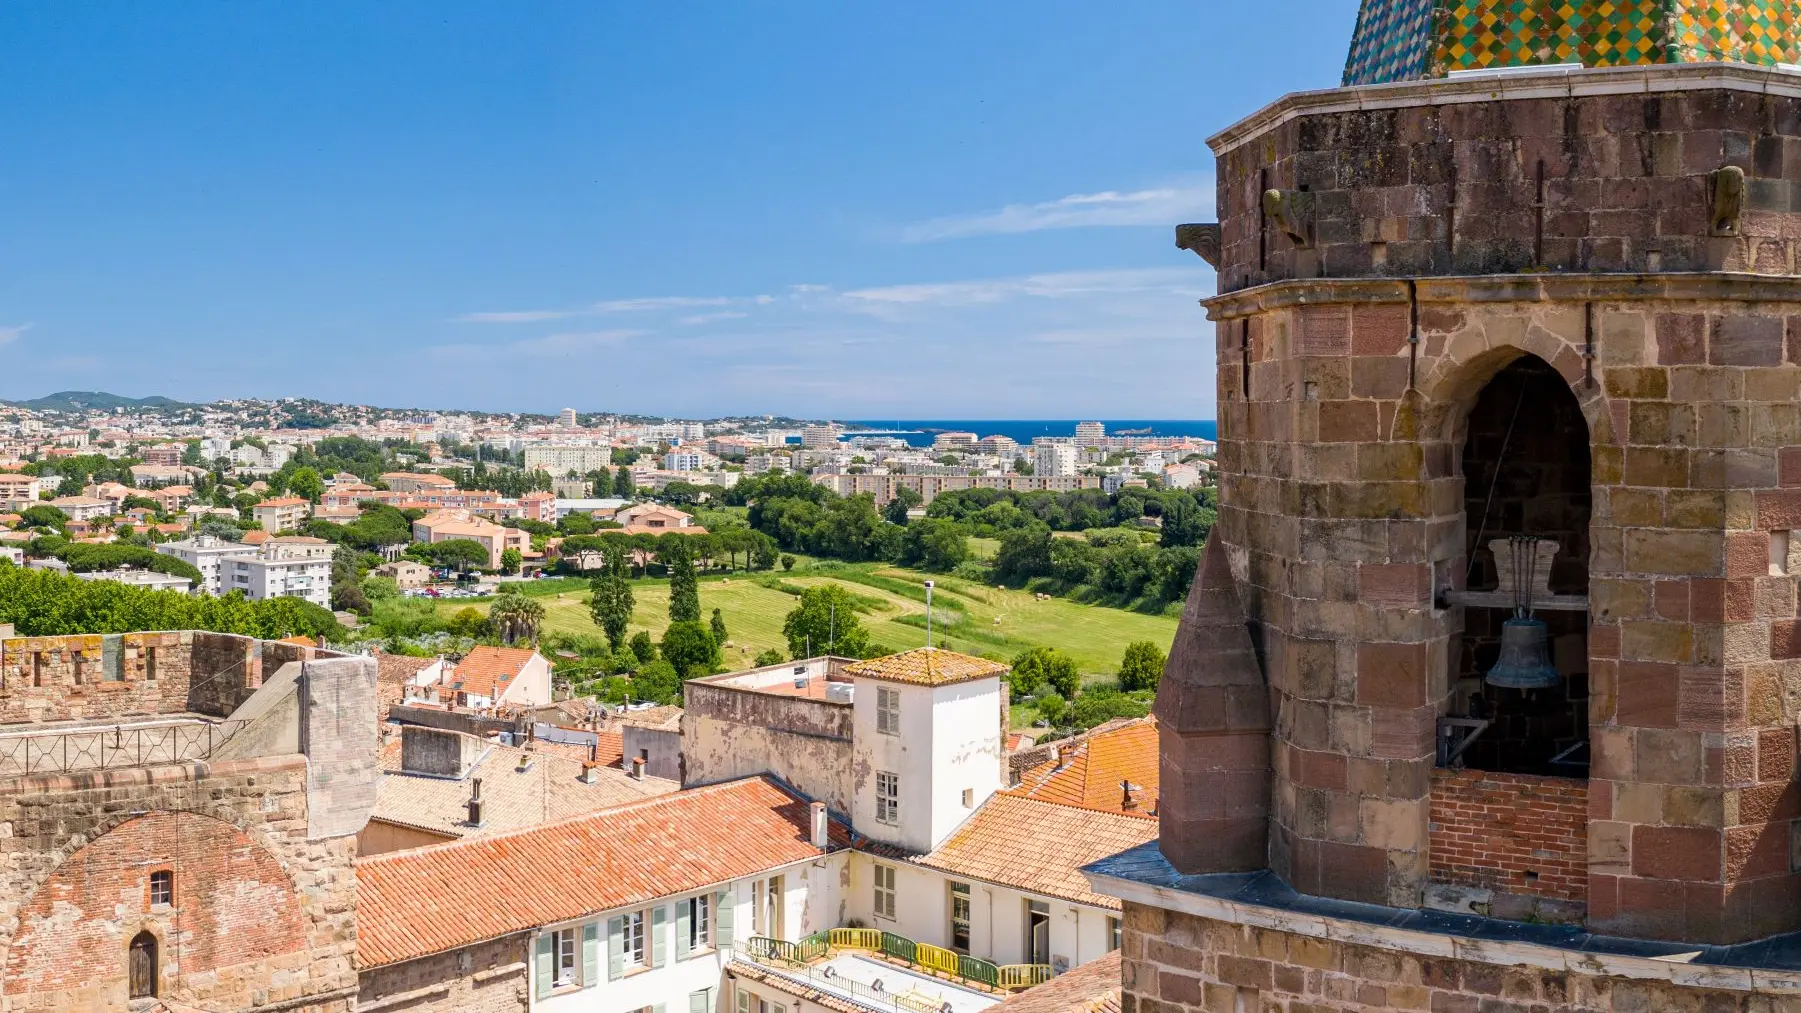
(1178, 963)
(1343, 509)
(263, 914)
(1435, 189)
(1516, 834)
(490, 977)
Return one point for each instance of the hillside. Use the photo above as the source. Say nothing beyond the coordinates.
(85, 400)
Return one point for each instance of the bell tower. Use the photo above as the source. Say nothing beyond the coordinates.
(1514, 316)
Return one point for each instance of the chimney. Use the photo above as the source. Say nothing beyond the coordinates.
(475, 803)
(594, 751)
(590, 772)
(1127, 801)
(638, 767)
(817, 823)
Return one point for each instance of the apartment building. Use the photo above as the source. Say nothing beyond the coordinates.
(283, 513)
(445, 525)
(208, 554)
(83, 508)
(412, 481)
(561, 459)
(885, 487)
(18, 491)
(290, 566)
(1055, 460)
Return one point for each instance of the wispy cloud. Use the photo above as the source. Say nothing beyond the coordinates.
(551, 346)
(10, 334)
(1162, 206)
(708, 318)
(514, 316)
(1056, 285)
(662, 302)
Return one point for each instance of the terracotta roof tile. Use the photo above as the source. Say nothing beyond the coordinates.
(1088, 772)
(485, 670)
(1091, 988)
(1038, 846)
(926, 666)
(437, 898)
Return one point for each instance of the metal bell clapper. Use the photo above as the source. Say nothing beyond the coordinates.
(1525, 659)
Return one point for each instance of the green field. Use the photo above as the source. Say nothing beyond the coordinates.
(966, 617)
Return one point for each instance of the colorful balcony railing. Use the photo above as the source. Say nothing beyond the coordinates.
(933, 959)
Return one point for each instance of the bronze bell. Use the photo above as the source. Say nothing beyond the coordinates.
(1525, 661)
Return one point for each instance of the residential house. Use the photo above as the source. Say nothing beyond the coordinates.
(146, 476)
(445, 525)
(398, 674)
(83, 508)
(410, 481)
(494, 677)
(283, 513)
(290, 566)
(433, 776)
(595, 914)
(171, 498)
(405, 573)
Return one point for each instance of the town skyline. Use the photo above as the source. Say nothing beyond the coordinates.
(525, 214)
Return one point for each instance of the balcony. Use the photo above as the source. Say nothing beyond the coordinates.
(886, 972)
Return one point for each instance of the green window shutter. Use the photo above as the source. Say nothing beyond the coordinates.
(701, 1001)
(722, 919)
(544, 964)
(590, 953)
(681, 930)
(659, 945)
(615, 948)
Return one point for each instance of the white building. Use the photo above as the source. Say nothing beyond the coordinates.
(684, 460)
(287, 567)
(148, 579)
(568, 418)
(561, 459)
(208, 554)
(1054, 460)
(1090, 434)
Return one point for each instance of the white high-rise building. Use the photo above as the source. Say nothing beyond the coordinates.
(568, 418)
(1090, 434)
(293, 567)
(1054, 460)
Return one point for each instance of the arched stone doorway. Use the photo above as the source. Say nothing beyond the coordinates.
(1526, 472)
(141, 967)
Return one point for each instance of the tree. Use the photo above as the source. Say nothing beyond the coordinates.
(688, 645)
(1093, 708)
(1141, 667)
(825, 622)
(510, 560)
(787, 561)
(469, 622)
(644, 647)
(769, 657)
(935, 544)
(657, 682)
(1024, 553)
(717, 628)
(42, 516)
(516, 617)
(904, 499)
(463, 554)
(684, 589)
(306, 483)
(1039, 667)
(622, 483)
(624, 660)
(611, 603)
(1185, 522)
(380, 588)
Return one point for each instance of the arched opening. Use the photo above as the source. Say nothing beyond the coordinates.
(143, 968)
(1526, 475)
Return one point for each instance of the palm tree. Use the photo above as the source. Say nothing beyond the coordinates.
(516, 617)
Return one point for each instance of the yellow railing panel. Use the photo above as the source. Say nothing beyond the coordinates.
(1024, 975)
(935, 958)
(857, 939)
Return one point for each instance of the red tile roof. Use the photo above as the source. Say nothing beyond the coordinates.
(1092, 988)
(486, 671)
(438, 898)
(1038, 847)
(1088, 772)
(926, 666)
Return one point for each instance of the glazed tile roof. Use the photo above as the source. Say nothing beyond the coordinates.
(488, 671)
(438, 898)
(926, 666)
(1038, 847)
(545, 791)
(1091, 988)
(1088, 772)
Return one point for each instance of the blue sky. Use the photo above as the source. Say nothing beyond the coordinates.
(812, 209)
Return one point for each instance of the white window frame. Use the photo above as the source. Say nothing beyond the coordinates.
(887, 797)
(566, 957)
(887, 710)
(634, 950)
(884, 890)
(700, 922)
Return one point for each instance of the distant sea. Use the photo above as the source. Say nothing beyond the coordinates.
(919, 432)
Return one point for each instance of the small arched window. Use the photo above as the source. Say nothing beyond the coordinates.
(143, 968)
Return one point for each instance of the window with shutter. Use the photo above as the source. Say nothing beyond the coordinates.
(887, 797)
(722, 923)
(887, 711)
(884, 891)
(590, 953)
(545, 961)
(615, 948)
(659, 936)
(701, 1001)
(683, 943)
